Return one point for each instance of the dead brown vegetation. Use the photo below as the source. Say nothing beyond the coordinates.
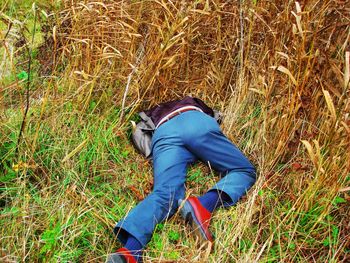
(279, 70)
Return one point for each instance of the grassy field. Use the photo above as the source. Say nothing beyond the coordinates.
(279, 71)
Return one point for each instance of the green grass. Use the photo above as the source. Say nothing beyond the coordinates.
(77, 174)
(70, 208)
(65, 211)
(48, 190)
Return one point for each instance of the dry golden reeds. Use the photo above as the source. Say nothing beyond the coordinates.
(279, 70)
(181, 47)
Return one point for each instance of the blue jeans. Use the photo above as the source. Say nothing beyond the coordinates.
(190, 136)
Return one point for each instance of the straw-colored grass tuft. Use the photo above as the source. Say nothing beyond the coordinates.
(280, 72)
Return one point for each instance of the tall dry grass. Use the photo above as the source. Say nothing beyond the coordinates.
(176, 48)
(278, 70)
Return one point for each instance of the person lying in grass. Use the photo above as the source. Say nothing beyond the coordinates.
(175, 134)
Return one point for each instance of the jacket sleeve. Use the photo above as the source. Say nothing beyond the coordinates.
(142, 139)
(142, 135)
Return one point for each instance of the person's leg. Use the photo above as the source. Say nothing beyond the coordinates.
(211, 200)
(212, 147)
(202, 136)
(134, 246)
(170, 159)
